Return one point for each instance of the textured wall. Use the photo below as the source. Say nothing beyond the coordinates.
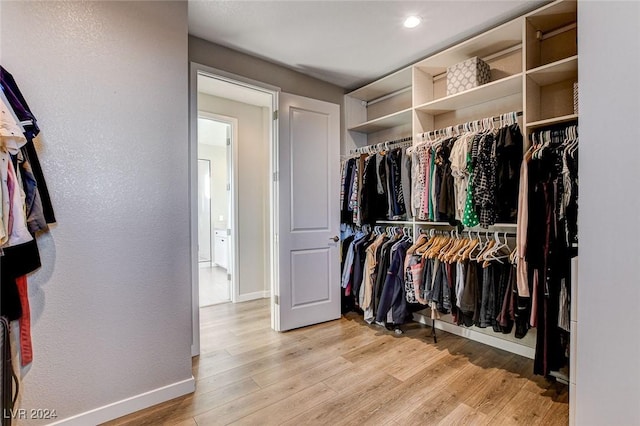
(252, 187)
(608, 370)
(111, 306)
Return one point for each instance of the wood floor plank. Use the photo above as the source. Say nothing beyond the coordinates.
(255, 340)
(187, 422)
(503, 387)
(273, 348)
(344, 343)
(376, 348)
(301, 364)
(418, 354)
(242, 367)
(327, 329)
(337, 410)
(316, 328)
(465, 415)
(558, 415)
(359, 380)
(151, 416)
(434, 409)
(203, 401)
(253, 402)
(290, 407)
(250, 324)
(480, 372)
(420, 387)
(525, 408)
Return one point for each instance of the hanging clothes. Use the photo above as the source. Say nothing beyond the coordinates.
(376, 186)
(392, 297)
(373, 200)
(552, 193)
(26, 206)
(470, 178)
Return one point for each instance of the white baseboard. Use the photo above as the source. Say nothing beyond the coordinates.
(130, 405)
(471, 334)
(253, 296)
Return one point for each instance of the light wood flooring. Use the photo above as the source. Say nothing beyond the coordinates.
(214, 287)
(347, 372)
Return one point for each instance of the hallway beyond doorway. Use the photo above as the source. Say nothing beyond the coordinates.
(214, 285)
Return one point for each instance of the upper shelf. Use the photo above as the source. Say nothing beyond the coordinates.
(562, 70)
(511, 85)
(554, 15)
(388, 121)
(386, 85)
(552, 121)
(483, 45)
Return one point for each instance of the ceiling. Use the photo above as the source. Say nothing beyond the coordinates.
(347, 43)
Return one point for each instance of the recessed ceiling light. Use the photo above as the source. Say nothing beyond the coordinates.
(412, 21)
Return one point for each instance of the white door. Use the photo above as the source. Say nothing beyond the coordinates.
(309, 213)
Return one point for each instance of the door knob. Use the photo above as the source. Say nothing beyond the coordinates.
(335, 239)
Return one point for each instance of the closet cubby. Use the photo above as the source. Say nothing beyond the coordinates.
(551, 34)
(383, 104)
(550, 91)
(380, 111)
(551, 64)
(500, 47)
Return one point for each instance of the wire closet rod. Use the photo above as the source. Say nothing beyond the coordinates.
(468, 124)
(387, 96)
(383, 146)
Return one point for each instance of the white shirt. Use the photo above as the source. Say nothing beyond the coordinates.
(18, 233)
(11, 132)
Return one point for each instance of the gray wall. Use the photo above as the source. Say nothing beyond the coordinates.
(252, 189)
(608, 352)
(111, 306)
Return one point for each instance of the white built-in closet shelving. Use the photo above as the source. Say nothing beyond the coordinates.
(534, 64)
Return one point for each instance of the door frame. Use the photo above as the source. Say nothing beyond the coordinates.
(232, 200)
(223, 76)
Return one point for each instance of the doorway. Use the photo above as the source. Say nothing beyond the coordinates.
(285, 221)
(241, 113)
(215, 208)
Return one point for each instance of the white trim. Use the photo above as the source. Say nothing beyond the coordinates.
(193, 207)
(274, 215)
(234, 78)
(253, 296)
(130, 405)
(471, 334)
